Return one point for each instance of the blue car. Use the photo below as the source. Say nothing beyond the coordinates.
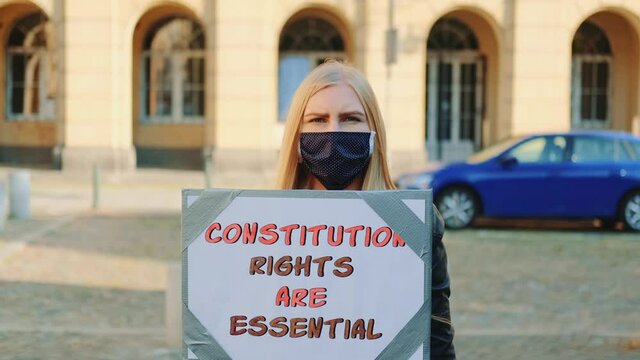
(588, 174)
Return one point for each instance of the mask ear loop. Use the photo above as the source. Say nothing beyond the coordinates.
(372, 138)
(299, 153)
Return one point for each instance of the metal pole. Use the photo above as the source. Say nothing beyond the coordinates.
(207, 173)
(391, 39)
(207, 157)
(390, 58)
(19, 193)
(3, 210)
(97, 182)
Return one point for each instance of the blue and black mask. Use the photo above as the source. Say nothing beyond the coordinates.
(336, 158)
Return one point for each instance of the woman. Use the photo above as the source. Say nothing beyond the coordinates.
(334, 139)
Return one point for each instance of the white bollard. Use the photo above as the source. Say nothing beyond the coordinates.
(3, 207)
(173, 305)
(19, 194)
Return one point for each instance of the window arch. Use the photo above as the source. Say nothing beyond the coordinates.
(590, 39)
(450, 34)
(591, 78)
(173, 72)
(311, 34)
(30, 89)
(304, 44)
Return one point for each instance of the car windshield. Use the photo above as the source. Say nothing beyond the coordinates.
(493, 150)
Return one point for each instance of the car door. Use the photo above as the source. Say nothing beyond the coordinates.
(524, 181)
(595, 177)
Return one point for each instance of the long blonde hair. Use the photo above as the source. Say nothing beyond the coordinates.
(291, 174)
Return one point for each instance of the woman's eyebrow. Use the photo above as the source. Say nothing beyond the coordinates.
(316, 114)
(352, 113)
(346, 113)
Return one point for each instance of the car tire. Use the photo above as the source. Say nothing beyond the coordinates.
(630, 211)
(458, 207)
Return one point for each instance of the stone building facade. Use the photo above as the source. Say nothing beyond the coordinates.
(131, 83)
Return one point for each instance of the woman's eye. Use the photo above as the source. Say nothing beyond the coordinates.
(317, 120)
(353, 119)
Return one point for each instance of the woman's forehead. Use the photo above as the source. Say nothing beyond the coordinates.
(334, 98)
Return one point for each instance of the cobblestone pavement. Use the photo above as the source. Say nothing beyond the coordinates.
(545, 294)
(81, 284)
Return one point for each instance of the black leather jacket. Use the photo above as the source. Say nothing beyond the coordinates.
(441, 327)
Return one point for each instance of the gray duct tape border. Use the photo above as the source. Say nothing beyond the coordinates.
(203, 211)
(199, 341)
(388, 205)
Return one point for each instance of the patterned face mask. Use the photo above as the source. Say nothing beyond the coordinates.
(336, 158)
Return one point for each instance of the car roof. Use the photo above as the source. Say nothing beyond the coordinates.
(601, 133)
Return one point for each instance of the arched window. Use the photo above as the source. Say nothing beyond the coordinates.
(304, 44)
(173, 71)
(591, 78)
(30, 91)
(455, 70)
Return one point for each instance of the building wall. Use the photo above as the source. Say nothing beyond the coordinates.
(542, 61)
(401, 87)
(526, 43)
(248, 133)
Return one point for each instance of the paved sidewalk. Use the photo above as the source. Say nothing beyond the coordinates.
(145, 190)
(91, 288)
(545, 294)
(82, 284)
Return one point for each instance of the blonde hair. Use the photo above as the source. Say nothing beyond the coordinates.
(291, 174)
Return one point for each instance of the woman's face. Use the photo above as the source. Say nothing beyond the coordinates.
(334, 108)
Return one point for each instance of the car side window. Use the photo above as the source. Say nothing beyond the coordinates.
(593, 149)
(554, 149)
(634, 148)
(622, 152)
(530, 151)
(548, 149)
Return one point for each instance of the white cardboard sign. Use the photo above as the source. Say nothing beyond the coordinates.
(282, 277)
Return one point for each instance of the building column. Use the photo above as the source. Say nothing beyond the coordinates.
(58, 54)
(97, 127)
(400, 86)
(541, 68)
(244, 93)
(209, 25)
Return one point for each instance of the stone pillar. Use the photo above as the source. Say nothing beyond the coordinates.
(541, 68)
(246, 134)
(97, 127)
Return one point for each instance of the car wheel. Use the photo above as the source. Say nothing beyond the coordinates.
(631, 211)
(458, 207)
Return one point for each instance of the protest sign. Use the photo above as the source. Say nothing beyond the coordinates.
(306, 274)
